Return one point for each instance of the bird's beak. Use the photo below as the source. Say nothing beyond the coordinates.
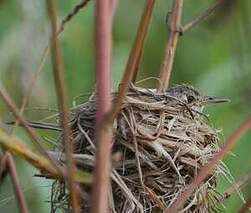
(212, 99)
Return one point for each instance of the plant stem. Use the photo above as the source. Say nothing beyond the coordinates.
(16, 183)
(175, 31)
(246, 207)
(201, 17)
(17, 147)
(35, 139)
(131, 69)
(235, 187)
(70, 15)
(62, 104)
(45, 52)
(103, 19)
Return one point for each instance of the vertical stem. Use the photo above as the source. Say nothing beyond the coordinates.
(135, 56)
(104, 134)
(62, 104)
(103, 43)
(138, 46)
(175, 30)
(16, 184)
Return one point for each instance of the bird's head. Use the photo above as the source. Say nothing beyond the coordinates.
(194, 99)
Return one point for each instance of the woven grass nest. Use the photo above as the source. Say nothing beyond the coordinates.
(161, 142)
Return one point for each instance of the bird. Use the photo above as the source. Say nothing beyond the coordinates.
(192, 97)
(177, 94)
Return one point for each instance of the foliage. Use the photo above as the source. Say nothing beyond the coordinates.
(213, 56)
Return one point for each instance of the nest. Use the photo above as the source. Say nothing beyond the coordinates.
(160, 143)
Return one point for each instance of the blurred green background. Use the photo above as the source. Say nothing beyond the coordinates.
(215, 57)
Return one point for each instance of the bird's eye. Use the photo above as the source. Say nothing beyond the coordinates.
(190, 99)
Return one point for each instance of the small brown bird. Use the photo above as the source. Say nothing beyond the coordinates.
(183, 93)
(195, 100)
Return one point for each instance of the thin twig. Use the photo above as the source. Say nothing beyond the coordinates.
(16, 183)
(45, 52)
(235, 187)
(175, 31)
(201, 17)
(70, 15)
(101, 186)
(232, 140)
(35, 139)
(246, 206)
(131, 69)
(62, 105)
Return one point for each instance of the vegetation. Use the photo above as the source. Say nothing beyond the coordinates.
(214, 56)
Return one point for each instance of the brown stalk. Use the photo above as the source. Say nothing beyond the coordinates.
(31, 84)
(16, 183)
(70, 15)
(201, 17)
(3, 169)
(175, 31)
(35, 139)
(17, 147)
(138, 47)
(100, 191)
(135, 56)
(232, 140)
(62, 104)
(245, 180)
(14, 145)
(246, 207)
(7, 163)
(12, 169)
(101, 186)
